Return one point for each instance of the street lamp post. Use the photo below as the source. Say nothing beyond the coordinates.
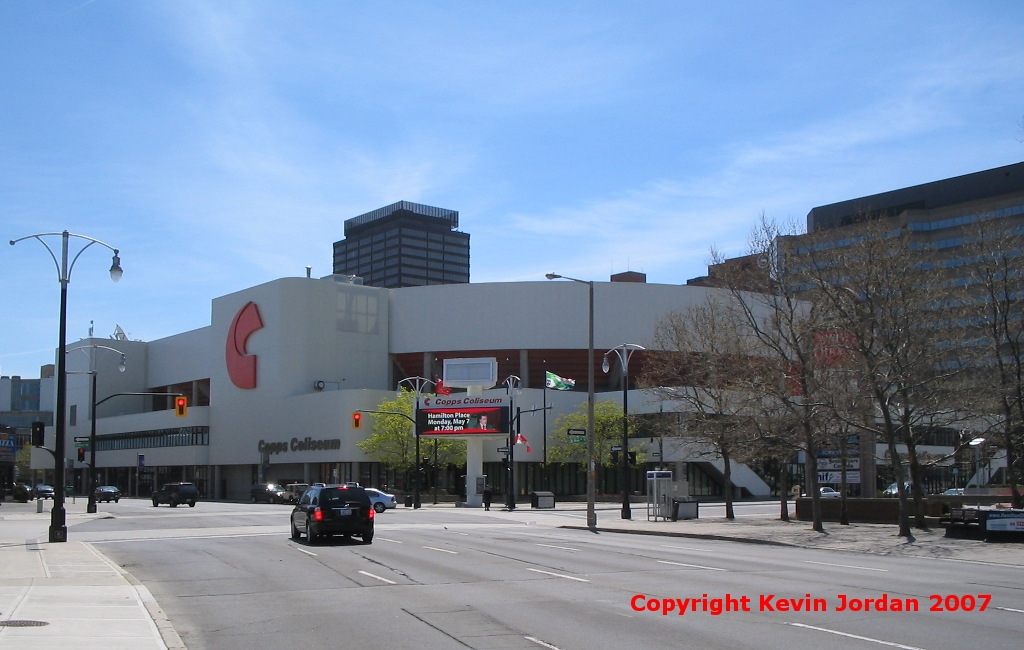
(591, 455)
(512, 382)
(58, 531)
(91, 507)
(417, 384)
(623, 352)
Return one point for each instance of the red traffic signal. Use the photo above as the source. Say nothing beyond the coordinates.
(180, 406)
(357, 420)
(81, 454)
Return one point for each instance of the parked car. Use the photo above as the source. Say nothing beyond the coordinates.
(267, 493)
(381, 500)
(829, 493)
(333, 510)
(893, 490)
(43, 491)
(174, 494)
(22, 492)
(107, 493)
(954, 492)
(293, 491)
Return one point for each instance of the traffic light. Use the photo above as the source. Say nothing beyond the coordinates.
(81, 454)
(38, 430)
(181, 406)
(357, 420)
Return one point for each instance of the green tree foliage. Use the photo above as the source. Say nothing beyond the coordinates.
(607, 430)
(393, 441)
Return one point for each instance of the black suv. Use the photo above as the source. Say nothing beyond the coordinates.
(333, 510)
(175, 493)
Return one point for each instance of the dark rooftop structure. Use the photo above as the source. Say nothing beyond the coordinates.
(404, 244)
(929, 196)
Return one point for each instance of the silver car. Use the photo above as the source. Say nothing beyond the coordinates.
(381, 500)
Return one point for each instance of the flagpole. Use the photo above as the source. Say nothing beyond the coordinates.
(545, 482)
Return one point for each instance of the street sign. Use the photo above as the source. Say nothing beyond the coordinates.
(835, 478)
(576, 440)
(502, 450)
(617, 448)
(82, 438)
(836, 464)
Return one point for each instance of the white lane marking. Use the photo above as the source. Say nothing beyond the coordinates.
(687, 548)
(367, 573)
(1010, 609)
(855, 636)
(558, 575)
(692, 566)
(302, 550)
(393, 541)
(564, 548)
(443, 550)
(466, 534)
(846, 566)
(539, 642)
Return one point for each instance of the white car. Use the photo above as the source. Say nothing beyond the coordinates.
(829, 493)
(381, 500)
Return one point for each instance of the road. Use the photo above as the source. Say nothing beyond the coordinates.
(229, 577)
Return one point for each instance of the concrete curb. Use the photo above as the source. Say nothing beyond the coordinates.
(711, 536)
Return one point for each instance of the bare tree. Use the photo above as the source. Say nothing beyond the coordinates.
(700, 359)
(995, 300)
(882, 294)
(774, 310)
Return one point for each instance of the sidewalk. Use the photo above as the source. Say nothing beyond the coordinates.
(880, 539)
(68, 595)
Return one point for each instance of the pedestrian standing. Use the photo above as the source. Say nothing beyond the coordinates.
(487, 497)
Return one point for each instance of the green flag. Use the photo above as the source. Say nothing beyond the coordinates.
(551, 380)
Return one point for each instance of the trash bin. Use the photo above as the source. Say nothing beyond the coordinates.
(542, 500)
(408, 501)
(684, 509)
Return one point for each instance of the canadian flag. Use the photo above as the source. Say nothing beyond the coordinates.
(521, 439)
(442, 389)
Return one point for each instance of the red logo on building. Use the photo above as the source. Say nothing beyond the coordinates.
(242, 366)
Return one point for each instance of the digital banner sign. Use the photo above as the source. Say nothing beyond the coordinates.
(462, 416)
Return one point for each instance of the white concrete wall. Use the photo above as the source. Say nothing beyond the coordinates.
(531, 315)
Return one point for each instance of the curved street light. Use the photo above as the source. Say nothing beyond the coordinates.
(91, 507)
(58, 531)
(623, 352)
(591, 455)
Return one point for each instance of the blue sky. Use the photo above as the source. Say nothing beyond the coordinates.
(220, 145)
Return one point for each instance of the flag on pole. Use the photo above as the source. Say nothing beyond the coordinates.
(551, 380)
(442, 389)
(521, 439)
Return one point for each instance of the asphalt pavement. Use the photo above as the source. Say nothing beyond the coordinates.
(228, 576)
